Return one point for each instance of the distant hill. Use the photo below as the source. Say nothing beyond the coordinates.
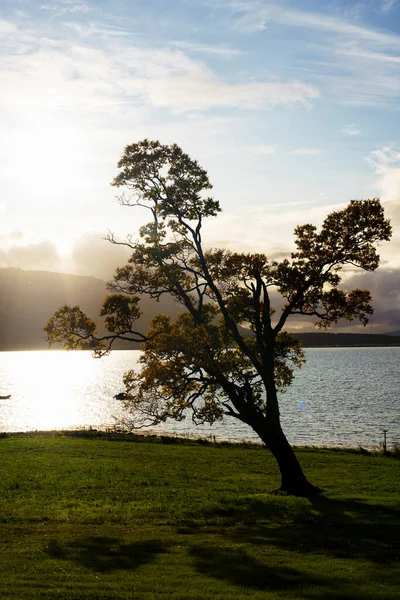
(313, 339)
(394, 333)
(29, 298)
(318, 340)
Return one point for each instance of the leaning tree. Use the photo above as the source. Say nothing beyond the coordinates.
(200, 362)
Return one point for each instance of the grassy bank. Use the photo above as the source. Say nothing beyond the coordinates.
(114, 519)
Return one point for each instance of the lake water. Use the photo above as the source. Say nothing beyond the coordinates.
(342, 396)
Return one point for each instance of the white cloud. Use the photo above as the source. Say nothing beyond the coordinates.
(89, 254)
(323, 22)
(10, 238)
(93, 255)
(384, 285)
(386, 164)
(54, 74)
(352, 49)
(200, 89)
(7, 28)
(267, 228)
(261, 150)
(86, 30)
(203, 48)
(42, 255)
(355, 65)
(305, 151)
(66, 6)
(388, 5)
(255, 14)
(351, 130)
(245, 150)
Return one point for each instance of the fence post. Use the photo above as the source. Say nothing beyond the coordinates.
(384, 442)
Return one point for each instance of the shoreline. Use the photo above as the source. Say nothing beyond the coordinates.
(168, 437)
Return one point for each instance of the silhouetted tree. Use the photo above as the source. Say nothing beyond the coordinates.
(200, 361)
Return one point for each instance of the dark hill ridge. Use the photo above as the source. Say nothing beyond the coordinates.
(29, 298)
(320, 340)
(313, 339)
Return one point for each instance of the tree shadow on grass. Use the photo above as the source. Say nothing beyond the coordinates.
(104, 554)
(343, 528)
(251, 543)
(339, 528)
(237, 567)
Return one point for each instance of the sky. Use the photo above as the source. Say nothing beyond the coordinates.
(292, 107)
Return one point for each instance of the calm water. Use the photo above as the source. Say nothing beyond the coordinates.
(343, 396)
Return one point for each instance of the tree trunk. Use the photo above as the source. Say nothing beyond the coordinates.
(293, 480)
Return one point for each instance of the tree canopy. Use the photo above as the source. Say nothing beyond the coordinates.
(200, 363)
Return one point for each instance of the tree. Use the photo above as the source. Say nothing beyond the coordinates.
(201, 361)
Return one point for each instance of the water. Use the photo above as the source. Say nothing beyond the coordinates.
(343, 396)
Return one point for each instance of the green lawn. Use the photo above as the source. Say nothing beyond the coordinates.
(107, 519)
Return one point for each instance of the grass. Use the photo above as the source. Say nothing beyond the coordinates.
(97, 518)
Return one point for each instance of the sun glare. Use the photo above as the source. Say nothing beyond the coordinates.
(64, 246)
(46, 157)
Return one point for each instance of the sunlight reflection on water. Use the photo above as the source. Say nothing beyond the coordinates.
(343, 396)
(57, 390)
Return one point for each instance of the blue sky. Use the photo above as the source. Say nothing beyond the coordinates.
(293, 108)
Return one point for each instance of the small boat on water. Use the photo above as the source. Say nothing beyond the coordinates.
(5, 397)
